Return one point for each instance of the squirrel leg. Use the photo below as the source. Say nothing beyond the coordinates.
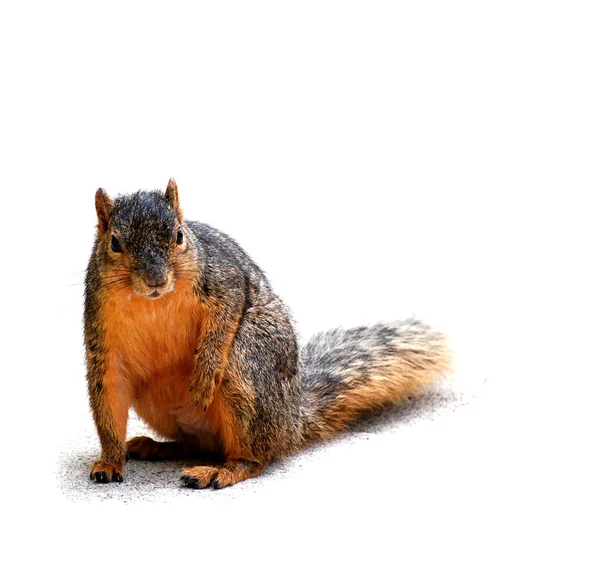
(147, 449)
(214, 343)
(201, 477)
(110, 410)
(259, 400)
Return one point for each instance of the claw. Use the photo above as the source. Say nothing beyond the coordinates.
(189, 481)
(101, 477)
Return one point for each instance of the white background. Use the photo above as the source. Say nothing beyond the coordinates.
(377, 159)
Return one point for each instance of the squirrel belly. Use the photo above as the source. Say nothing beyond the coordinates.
(182, 326)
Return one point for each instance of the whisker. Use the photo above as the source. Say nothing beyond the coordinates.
(114, 278)
(113, 284)
(113, 274)
(120, 277)
(117, 290)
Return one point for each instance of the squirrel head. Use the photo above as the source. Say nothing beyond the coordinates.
(142, 242)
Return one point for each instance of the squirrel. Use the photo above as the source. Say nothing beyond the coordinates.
(183, 327)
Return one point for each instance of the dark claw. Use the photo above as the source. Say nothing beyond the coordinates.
(189, 481)
(205, 407)
(216, 483)
(101, 477)
(117, 477)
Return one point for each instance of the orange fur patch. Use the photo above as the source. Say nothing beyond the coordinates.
(152, 346)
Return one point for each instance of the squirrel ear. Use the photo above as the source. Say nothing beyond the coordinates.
(173, 198)
(104, 206)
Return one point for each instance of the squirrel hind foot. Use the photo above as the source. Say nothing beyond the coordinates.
(217, 477)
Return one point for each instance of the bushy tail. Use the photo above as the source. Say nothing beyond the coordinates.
(348, 373)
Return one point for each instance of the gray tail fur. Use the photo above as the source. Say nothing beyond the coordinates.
(349, 373)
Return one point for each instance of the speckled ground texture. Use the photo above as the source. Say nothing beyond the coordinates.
(400, 434)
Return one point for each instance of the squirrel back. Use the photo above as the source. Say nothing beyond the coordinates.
(182, 326)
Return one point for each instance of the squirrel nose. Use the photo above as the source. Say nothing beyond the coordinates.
(155, 282)
(154, 272)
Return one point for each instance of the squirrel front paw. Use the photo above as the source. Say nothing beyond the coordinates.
(203, 391)
(103, 471)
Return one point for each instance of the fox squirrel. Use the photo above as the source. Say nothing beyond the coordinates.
(181, 325)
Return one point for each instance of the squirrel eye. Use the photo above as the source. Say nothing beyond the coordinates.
(179, 236)
(115, 245)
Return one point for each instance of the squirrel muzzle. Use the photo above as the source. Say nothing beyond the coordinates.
(153, 280)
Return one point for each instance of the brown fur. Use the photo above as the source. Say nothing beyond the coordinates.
(387, 386)
(181, 326)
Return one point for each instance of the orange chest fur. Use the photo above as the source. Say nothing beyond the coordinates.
(150, 339)
(152, 348)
